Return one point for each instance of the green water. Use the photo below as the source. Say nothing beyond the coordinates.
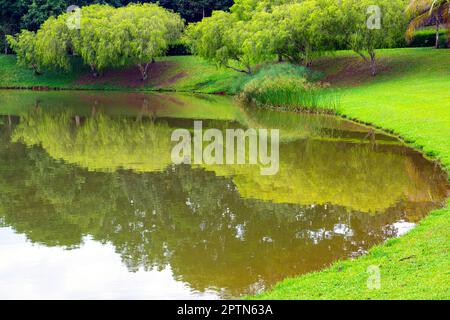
(91, 205)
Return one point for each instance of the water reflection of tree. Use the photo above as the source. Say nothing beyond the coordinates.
(215, 229)
(182, 217)
(359, 176)
(345, 174)
(99, 143)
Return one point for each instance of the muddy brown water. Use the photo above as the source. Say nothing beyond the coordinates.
(92, 207)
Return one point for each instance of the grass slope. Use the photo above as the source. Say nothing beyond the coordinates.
(184, 73)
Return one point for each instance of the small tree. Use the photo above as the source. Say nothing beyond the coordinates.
(210, 39)
(135, 34)
(230, 42)
(306, 29)
(24, 45)
(145, 32)
(372, 24)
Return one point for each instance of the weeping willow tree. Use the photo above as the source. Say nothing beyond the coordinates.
(106, 37)
(425, 11)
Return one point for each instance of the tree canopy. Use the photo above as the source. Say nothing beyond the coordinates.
(106, 37)
(30, 14)
(297, 30)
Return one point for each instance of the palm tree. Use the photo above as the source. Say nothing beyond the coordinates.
(422, 11)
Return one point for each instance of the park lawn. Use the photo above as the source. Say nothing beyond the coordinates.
(178, 73)
(12, 75)
(410, 97)
(193, 74)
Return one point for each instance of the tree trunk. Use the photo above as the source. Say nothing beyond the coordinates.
(144, 70)
(36, 69)
(141, 70)
(373, 66)
(248, 71)
(94, 71)
(437, 31)
(280, 57)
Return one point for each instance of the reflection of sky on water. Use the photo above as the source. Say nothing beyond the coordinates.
(93, 271)
(96, 271)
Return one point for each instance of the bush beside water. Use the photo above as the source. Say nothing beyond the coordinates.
(288, 86)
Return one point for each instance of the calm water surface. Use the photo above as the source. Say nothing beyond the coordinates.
(92, 207)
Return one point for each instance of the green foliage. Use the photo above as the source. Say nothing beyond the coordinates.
(256, 31)
(130, 35)
(24, 44)
(427, 38)
(193, 11)
(39, 11)
(179, 48)
(275, 70)
(45, 49)
(53, 43)
(10, 13)
(289, 86)
(364, 40)
(304, 30)
(107, 37)
(217, 39)
(245, 9)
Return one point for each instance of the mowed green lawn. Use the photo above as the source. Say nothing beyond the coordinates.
(410, 97)
(178, 73)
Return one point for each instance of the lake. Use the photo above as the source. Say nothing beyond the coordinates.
(93, 207)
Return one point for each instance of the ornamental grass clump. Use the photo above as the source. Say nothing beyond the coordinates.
(290, 87)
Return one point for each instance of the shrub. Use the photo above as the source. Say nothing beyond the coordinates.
(427, 38)
(289, 86)
(178, 49)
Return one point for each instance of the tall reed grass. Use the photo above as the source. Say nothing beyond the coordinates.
(290, 87)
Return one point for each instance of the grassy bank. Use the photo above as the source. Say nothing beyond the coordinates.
(415, 266)
(410, 97)
(183, 73)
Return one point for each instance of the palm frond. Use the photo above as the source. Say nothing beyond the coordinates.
(417, 7)
(416, 23)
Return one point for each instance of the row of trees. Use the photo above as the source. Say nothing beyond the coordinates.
(30, 14)
(298, 31)
(251, 32)
(106, 37)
